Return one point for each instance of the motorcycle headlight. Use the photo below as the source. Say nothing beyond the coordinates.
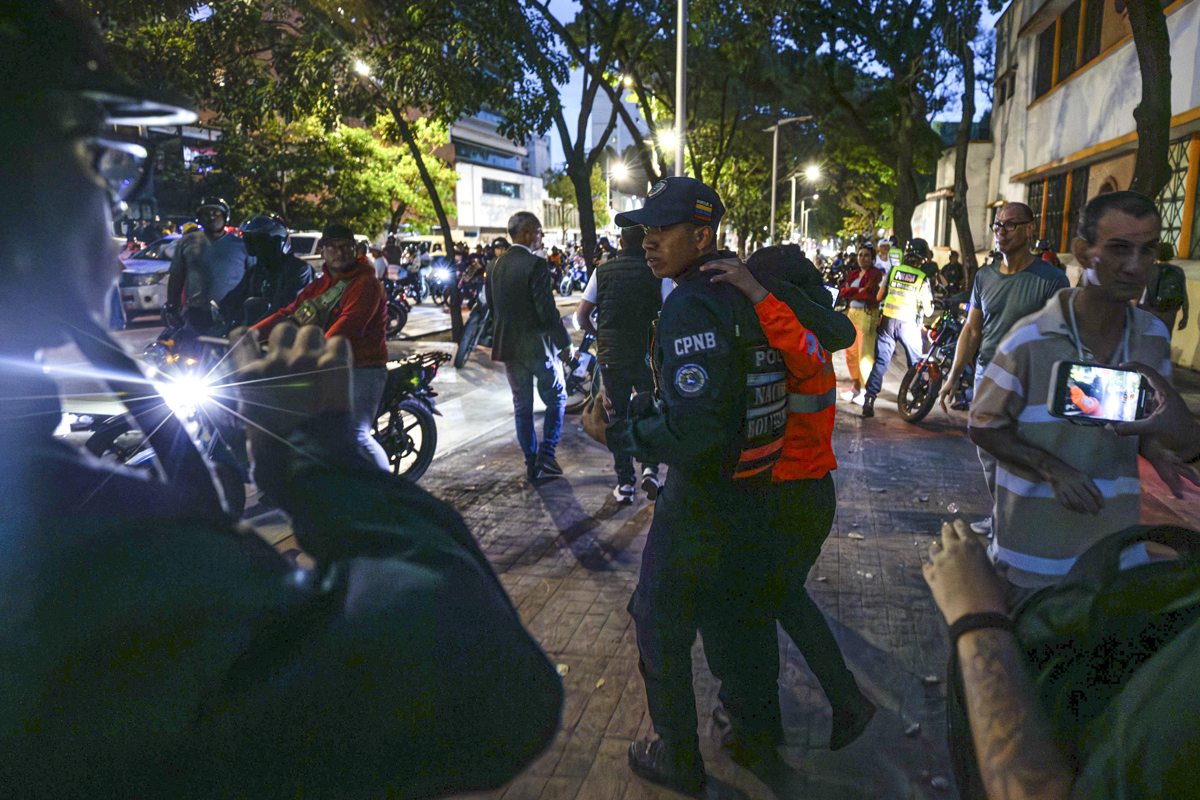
(442, 274)
(184, 395)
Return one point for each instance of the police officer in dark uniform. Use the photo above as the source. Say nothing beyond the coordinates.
(717, 420)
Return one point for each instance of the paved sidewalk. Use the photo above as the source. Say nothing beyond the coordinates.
(569, 556)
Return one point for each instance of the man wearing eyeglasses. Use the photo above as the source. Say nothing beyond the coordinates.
(348, 300)
(1004, 291)
(209, 262)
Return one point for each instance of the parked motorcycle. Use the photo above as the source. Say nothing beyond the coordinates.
(397, 306)
(476, 332)
(440, 279)
(404, 424)
(188, 384)
(581, 378)
(574, 278)
(921, 384)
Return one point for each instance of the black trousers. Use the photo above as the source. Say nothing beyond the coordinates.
(620, 381)
(694, 543)
(775, 563)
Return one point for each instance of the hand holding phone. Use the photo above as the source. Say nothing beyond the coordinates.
(1096, 394)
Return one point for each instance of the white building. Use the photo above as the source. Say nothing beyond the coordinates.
(931, 219)
(1067, 83)
(496, 177)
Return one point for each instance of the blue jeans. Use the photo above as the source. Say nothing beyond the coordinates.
(891, 330)
(369, 383)
(553, 391)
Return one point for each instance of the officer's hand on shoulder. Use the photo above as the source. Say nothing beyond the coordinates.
(735, 273)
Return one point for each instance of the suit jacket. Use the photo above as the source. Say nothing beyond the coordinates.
(528, 326)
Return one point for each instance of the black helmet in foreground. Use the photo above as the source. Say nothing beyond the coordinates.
(214, 202)
(263, 235)
(918, 248)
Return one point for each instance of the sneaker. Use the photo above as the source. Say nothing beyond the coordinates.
(859, 398)
(656, 761)
(983, 527)
(650, 484)
(624, 493)
(868, 406)
(847, 395)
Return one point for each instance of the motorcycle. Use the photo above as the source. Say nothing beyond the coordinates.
(581, 379)
(921, 384)
(441, 277)
(186, 378)
(397, 306)
(404, 424)
(574, 278)
(476, 332)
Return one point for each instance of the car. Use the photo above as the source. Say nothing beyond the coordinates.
(144, 279)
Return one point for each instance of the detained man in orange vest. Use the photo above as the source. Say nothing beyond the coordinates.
(797, 317)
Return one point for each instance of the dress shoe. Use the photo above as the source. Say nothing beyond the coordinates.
(868, 406)
(650, 484)
(531, 469)
(547, 467)
(750, 749)
(658, 762)
(849, 723)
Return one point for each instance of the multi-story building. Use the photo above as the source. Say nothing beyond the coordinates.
(496, 177)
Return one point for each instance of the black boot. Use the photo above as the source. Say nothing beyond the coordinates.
(676, 768)
(749, 748)
(547, 467)
(531, 468)
(868, 406)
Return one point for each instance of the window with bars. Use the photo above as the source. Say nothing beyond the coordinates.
(1078, 199)
(1056, 195)
(1171, 198)
(1035, 199)
(1043, 74)
(1093, 21)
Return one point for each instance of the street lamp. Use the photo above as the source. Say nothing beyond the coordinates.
(666, 140)
(616, 171)
(813, 173)
(680, 84)
(775, 162)
(362, 67)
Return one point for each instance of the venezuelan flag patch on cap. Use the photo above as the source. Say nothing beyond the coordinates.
(704, 210)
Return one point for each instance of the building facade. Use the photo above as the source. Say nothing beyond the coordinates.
(1067, 83)
(496, 177)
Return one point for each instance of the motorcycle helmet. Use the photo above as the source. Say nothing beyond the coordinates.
(214, 202)
(917, 249)
(264, 235)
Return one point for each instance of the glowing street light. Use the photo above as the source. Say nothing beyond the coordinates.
(628, 81)
(813, 173)
(362, 67)
(667, 140)
(618, 171)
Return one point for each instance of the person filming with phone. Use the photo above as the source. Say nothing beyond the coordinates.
(1063, 484)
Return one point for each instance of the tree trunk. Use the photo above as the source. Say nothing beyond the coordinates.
(906, 176)
(456, 318)
(581, 179)
(958, 204)
(1153, 114)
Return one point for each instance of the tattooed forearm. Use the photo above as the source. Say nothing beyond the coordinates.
(1018, 758)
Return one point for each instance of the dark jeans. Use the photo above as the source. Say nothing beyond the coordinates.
(698, 526)
(891, 330)
(776, 562)
(553, 391)
(620, 381)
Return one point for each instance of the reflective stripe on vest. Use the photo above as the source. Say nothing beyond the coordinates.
(811, 403)
(904, 293)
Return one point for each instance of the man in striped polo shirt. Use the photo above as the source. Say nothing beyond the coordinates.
(1061, 486)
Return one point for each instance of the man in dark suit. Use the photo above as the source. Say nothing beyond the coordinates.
(530, 340)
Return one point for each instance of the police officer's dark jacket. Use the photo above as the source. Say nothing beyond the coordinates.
(628, 299)
(721, 388)
(148, 650)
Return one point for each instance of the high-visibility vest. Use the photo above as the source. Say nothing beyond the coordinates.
(903, 298)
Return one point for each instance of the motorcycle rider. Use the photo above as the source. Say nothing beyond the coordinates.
(909, 299)
(272, 281)
(209, 263)
(148, 647)
(718, 421)
(348, 300)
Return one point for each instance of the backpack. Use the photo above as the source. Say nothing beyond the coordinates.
(1086, 638)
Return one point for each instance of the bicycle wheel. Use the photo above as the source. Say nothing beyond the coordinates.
(472, 332)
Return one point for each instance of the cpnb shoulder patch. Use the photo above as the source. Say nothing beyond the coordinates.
(695, 343)
(690, 380)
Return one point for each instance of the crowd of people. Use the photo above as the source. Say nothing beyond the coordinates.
(151, 647)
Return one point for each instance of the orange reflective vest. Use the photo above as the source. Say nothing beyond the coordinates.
(812, 394)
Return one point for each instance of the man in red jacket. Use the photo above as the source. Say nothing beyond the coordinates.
(348, 301)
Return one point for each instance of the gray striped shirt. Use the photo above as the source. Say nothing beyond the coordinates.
(1035, 536)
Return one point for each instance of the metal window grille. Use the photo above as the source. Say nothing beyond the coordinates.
(1068, 40)
(1043, 76)
(1078, 199)
(1170, 199)
(1035, 200)
(1056, 197)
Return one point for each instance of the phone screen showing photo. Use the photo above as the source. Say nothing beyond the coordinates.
(1101, 394)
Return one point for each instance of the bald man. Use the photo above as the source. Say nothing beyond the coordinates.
(1003, 293)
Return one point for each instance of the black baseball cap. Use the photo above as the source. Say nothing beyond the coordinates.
(676, 200)
(334, 231)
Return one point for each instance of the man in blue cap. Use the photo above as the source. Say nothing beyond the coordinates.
(717, 419)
